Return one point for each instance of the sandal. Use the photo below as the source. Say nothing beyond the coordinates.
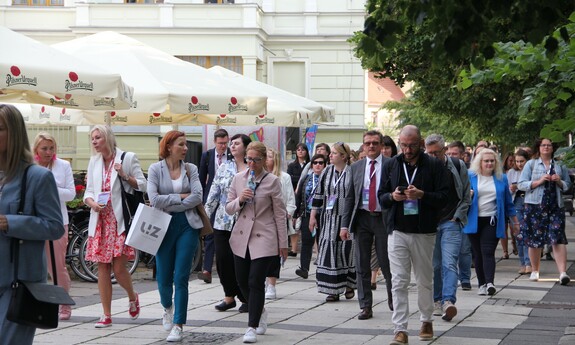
(349, 293)
(332, 298)
(505, 255)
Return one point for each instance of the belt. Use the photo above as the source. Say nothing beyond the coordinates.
(373, 214)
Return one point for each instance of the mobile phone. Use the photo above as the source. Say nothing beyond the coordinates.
(513, 182)
(401, 189)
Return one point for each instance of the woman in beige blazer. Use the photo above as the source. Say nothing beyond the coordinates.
(259, 234)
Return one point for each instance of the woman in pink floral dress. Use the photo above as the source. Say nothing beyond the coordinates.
(106, 231)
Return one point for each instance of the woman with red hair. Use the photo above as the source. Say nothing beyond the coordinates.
(174, 187)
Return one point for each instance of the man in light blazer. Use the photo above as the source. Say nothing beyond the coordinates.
(363, 217)
(209, 164)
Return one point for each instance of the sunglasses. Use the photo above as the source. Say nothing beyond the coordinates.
(318, 162)
(342, 146)
(255, 160)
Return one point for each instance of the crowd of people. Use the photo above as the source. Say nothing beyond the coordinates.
(421, 206)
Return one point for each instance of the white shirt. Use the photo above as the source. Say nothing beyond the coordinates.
(62, 172)
(486, 198)
(224, 159)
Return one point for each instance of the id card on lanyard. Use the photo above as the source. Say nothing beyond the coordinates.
(332, 198)
(410, 207)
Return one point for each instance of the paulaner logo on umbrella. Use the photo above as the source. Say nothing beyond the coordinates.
(195, 105)
(15, 77)
(263, 119)
(234, 106)
(223, 118)
(74, 84)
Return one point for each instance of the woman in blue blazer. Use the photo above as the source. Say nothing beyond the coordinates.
(41, 220)
(490, 206)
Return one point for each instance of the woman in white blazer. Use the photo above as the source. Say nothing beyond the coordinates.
(107, 233)
(44, 150)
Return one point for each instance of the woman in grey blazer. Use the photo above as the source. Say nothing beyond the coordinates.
(174, 187)
(41, 220)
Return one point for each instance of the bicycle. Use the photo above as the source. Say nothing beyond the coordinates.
(77, 232)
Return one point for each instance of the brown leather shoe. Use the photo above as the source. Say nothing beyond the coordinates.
(205, 276)
(366, 313)
(426, 332)
(399, 339)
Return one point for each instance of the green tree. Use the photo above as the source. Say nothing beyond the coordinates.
(434, 43)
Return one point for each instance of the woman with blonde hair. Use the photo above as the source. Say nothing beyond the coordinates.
(106, 230)
(273, 165)
(491, 204)
(44, 150)
(335, 272)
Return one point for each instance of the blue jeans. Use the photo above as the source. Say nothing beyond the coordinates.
(173, 264)
(522, 249)
(465, 259)
(445, 258)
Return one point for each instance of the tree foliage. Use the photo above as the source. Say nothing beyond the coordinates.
(434, 44)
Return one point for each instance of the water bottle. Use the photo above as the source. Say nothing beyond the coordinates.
(251, 184)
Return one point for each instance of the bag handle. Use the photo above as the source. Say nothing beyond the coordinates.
(15, 244)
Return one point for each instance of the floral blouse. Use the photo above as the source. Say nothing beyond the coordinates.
(218, 196)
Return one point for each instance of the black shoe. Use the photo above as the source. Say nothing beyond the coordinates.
(290, 253)
(365, 314)
(243, 308)
(205, 276)
(374, 286)
(548, 256)
(302, 273)
(225, 306)
(466, 286)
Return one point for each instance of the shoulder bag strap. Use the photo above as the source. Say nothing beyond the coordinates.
(15, 245)
(122, 190)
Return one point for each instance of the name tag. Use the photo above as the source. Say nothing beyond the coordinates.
(410, 207)
(330, 202)
(103, 198)
(365, 196)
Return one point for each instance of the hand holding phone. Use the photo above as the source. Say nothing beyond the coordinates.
(401, 189)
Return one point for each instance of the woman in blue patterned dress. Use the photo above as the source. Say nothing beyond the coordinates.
(543, 179)
(335, 272)
(223, 223)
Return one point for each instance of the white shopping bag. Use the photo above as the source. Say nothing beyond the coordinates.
(148, 229)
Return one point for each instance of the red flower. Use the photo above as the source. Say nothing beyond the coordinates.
(79, 188)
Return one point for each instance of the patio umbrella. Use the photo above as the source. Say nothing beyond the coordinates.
(36, 73)
(167, 90)
(281, 102)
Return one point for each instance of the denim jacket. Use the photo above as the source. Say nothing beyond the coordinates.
(533, 171)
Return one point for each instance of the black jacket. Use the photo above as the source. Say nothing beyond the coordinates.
(431, 177)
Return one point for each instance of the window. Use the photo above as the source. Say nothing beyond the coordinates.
(233, 63)
(38, 2)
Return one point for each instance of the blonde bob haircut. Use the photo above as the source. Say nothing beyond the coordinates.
(476, 163)
(277, 161)
(108, 134)
(44, 136)
(17, 143)
(259, 147)
(344, 150)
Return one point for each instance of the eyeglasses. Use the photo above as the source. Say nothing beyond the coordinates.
(318, 162)
(371, 143)
(410, 146)
(434, 153)
(546, 145)
(255, 160)
(488, 161)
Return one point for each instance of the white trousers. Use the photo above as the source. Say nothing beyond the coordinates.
(406, 251)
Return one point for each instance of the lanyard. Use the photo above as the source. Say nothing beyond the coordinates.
(409, 181)
(107, 171)
(340, 176)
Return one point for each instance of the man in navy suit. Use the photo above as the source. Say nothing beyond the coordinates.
(211, 160)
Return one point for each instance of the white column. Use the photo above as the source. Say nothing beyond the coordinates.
(250, 67)
(268, 6)
(310, 24)
(166, 15)
(250, 17)
(82, 14)
(310, 6)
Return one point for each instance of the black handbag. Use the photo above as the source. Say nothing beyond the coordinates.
(130, 201)
(34, 304)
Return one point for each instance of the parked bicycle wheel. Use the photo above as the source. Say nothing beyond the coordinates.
(91, 268)
(73, 259)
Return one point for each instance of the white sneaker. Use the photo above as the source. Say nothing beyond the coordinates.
(449, 311)
(270, 292)
(482, 291)
(491, 289)
(437, 310)
(175, 334)
(250, 336)
(263, 326)
(534, 276)
(564, 278)
(168, 318)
